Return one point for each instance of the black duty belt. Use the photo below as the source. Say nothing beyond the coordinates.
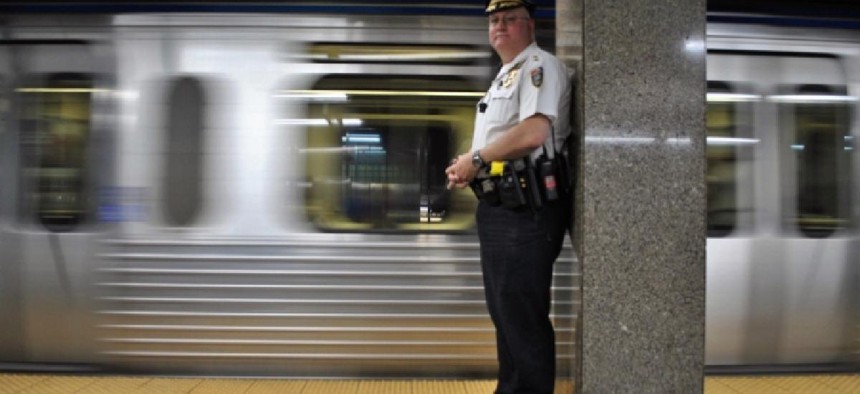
(519, 183)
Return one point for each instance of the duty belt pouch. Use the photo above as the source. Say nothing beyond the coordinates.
(531, 182)
(518, 185)
(510, 190)
(485, 189)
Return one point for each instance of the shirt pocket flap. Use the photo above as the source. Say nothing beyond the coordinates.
(503, 94)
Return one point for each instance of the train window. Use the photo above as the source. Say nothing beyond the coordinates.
(182, 186)
(377, 148)
(55, 129)
(816, 126)
(729, 154)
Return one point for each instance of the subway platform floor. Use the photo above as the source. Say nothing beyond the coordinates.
(39, 383)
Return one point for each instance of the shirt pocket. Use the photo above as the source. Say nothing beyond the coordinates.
(502, 106)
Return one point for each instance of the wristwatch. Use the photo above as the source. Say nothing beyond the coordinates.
(477, 161)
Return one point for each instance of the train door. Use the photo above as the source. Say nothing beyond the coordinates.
(816, 149)
(52, 229)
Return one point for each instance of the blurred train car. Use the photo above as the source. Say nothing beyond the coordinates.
(238, 193)
(260, 194)
(782, 269)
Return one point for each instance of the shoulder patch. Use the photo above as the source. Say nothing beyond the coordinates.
(537, 77)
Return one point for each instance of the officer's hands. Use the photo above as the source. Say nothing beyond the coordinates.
(461, 171)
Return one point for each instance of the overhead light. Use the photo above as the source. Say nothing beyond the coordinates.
(620, 140)
(61, 90)
(392, 53)
(812, 98)
(732, 97)
(344, 94)
(361, 138)
(319, 122)
(316, 96)
(731, 141)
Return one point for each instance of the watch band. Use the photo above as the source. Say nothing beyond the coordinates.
(477, 160)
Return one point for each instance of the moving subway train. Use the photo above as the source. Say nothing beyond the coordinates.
(264, 194)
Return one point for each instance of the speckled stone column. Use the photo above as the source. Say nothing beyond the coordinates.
(641, 197)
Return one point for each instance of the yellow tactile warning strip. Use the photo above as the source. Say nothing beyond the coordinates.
(811, 384)
(13, 383)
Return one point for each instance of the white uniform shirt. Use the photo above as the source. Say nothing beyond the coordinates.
(535, 82)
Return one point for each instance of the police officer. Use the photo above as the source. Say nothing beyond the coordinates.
(524, 113)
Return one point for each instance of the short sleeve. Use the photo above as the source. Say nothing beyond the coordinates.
(540, 90)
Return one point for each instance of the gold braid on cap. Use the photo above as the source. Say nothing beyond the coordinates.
(496, 5)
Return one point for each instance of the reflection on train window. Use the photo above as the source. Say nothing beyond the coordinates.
(729, 154)
(55, 128)
(182, 179)
(377, 148)
(818, 134)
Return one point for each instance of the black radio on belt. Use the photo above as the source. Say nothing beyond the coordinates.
(546, 169)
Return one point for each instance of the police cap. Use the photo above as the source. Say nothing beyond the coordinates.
(499, 5)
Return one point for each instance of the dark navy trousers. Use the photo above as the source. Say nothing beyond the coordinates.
(518, 249)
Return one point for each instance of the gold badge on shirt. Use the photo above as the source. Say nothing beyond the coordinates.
(511, 76)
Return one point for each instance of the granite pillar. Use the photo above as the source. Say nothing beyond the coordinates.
(640, 215)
